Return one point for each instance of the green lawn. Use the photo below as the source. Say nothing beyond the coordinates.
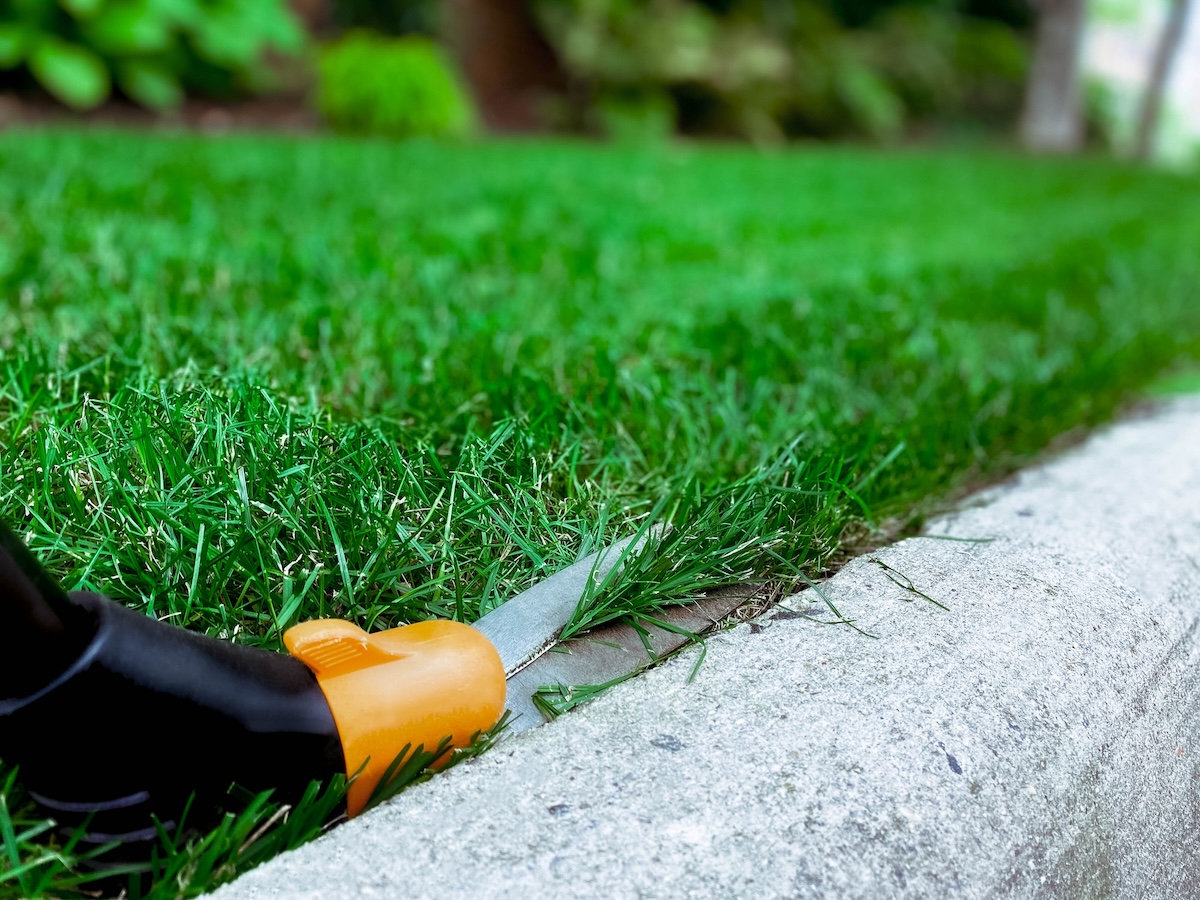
(250, 381)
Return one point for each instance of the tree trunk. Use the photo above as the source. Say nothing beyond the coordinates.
(1052, 120)
(510, 66)
(1150, 110)
(315, 14)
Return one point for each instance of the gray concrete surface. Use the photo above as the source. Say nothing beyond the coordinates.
(1040, 737)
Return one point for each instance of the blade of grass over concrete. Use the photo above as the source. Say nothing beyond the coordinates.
(250, 381)
(905, 583)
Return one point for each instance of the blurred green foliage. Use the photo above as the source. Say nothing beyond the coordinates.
(394, 86)
(154, 50)
(766, 69)
(394, 17)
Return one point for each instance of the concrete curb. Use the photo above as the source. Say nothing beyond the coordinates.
(1039, 737)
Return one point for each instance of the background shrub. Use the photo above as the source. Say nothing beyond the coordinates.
(399, 87)
(767, 69)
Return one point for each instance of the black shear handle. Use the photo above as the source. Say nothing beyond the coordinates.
(41, 630)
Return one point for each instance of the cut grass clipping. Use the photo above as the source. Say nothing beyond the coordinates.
(246, 382)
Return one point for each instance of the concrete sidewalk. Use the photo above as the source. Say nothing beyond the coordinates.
(1039, 737)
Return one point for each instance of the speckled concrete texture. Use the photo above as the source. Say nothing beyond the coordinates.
(1038, 737)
